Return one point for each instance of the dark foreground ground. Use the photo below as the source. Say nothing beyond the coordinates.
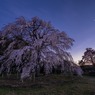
(49, 85)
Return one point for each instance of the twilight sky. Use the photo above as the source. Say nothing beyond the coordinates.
(75, 17)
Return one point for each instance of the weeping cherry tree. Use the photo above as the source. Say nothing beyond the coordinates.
(34, 47)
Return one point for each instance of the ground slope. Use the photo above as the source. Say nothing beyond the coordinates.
(49, 85)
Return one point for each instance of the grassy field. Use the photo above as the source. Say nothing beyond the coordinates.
(49, 85)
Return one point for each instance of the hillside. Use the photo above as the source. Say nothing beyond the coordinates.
(49, 85)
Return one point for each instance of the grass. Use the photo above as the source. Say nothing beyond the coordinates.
(49, 85)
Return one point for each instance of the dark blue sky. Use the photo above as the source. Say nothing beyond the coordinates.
(75, 17)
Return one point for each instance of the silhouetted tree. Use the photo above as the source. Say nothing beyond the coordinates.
(88, 58)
